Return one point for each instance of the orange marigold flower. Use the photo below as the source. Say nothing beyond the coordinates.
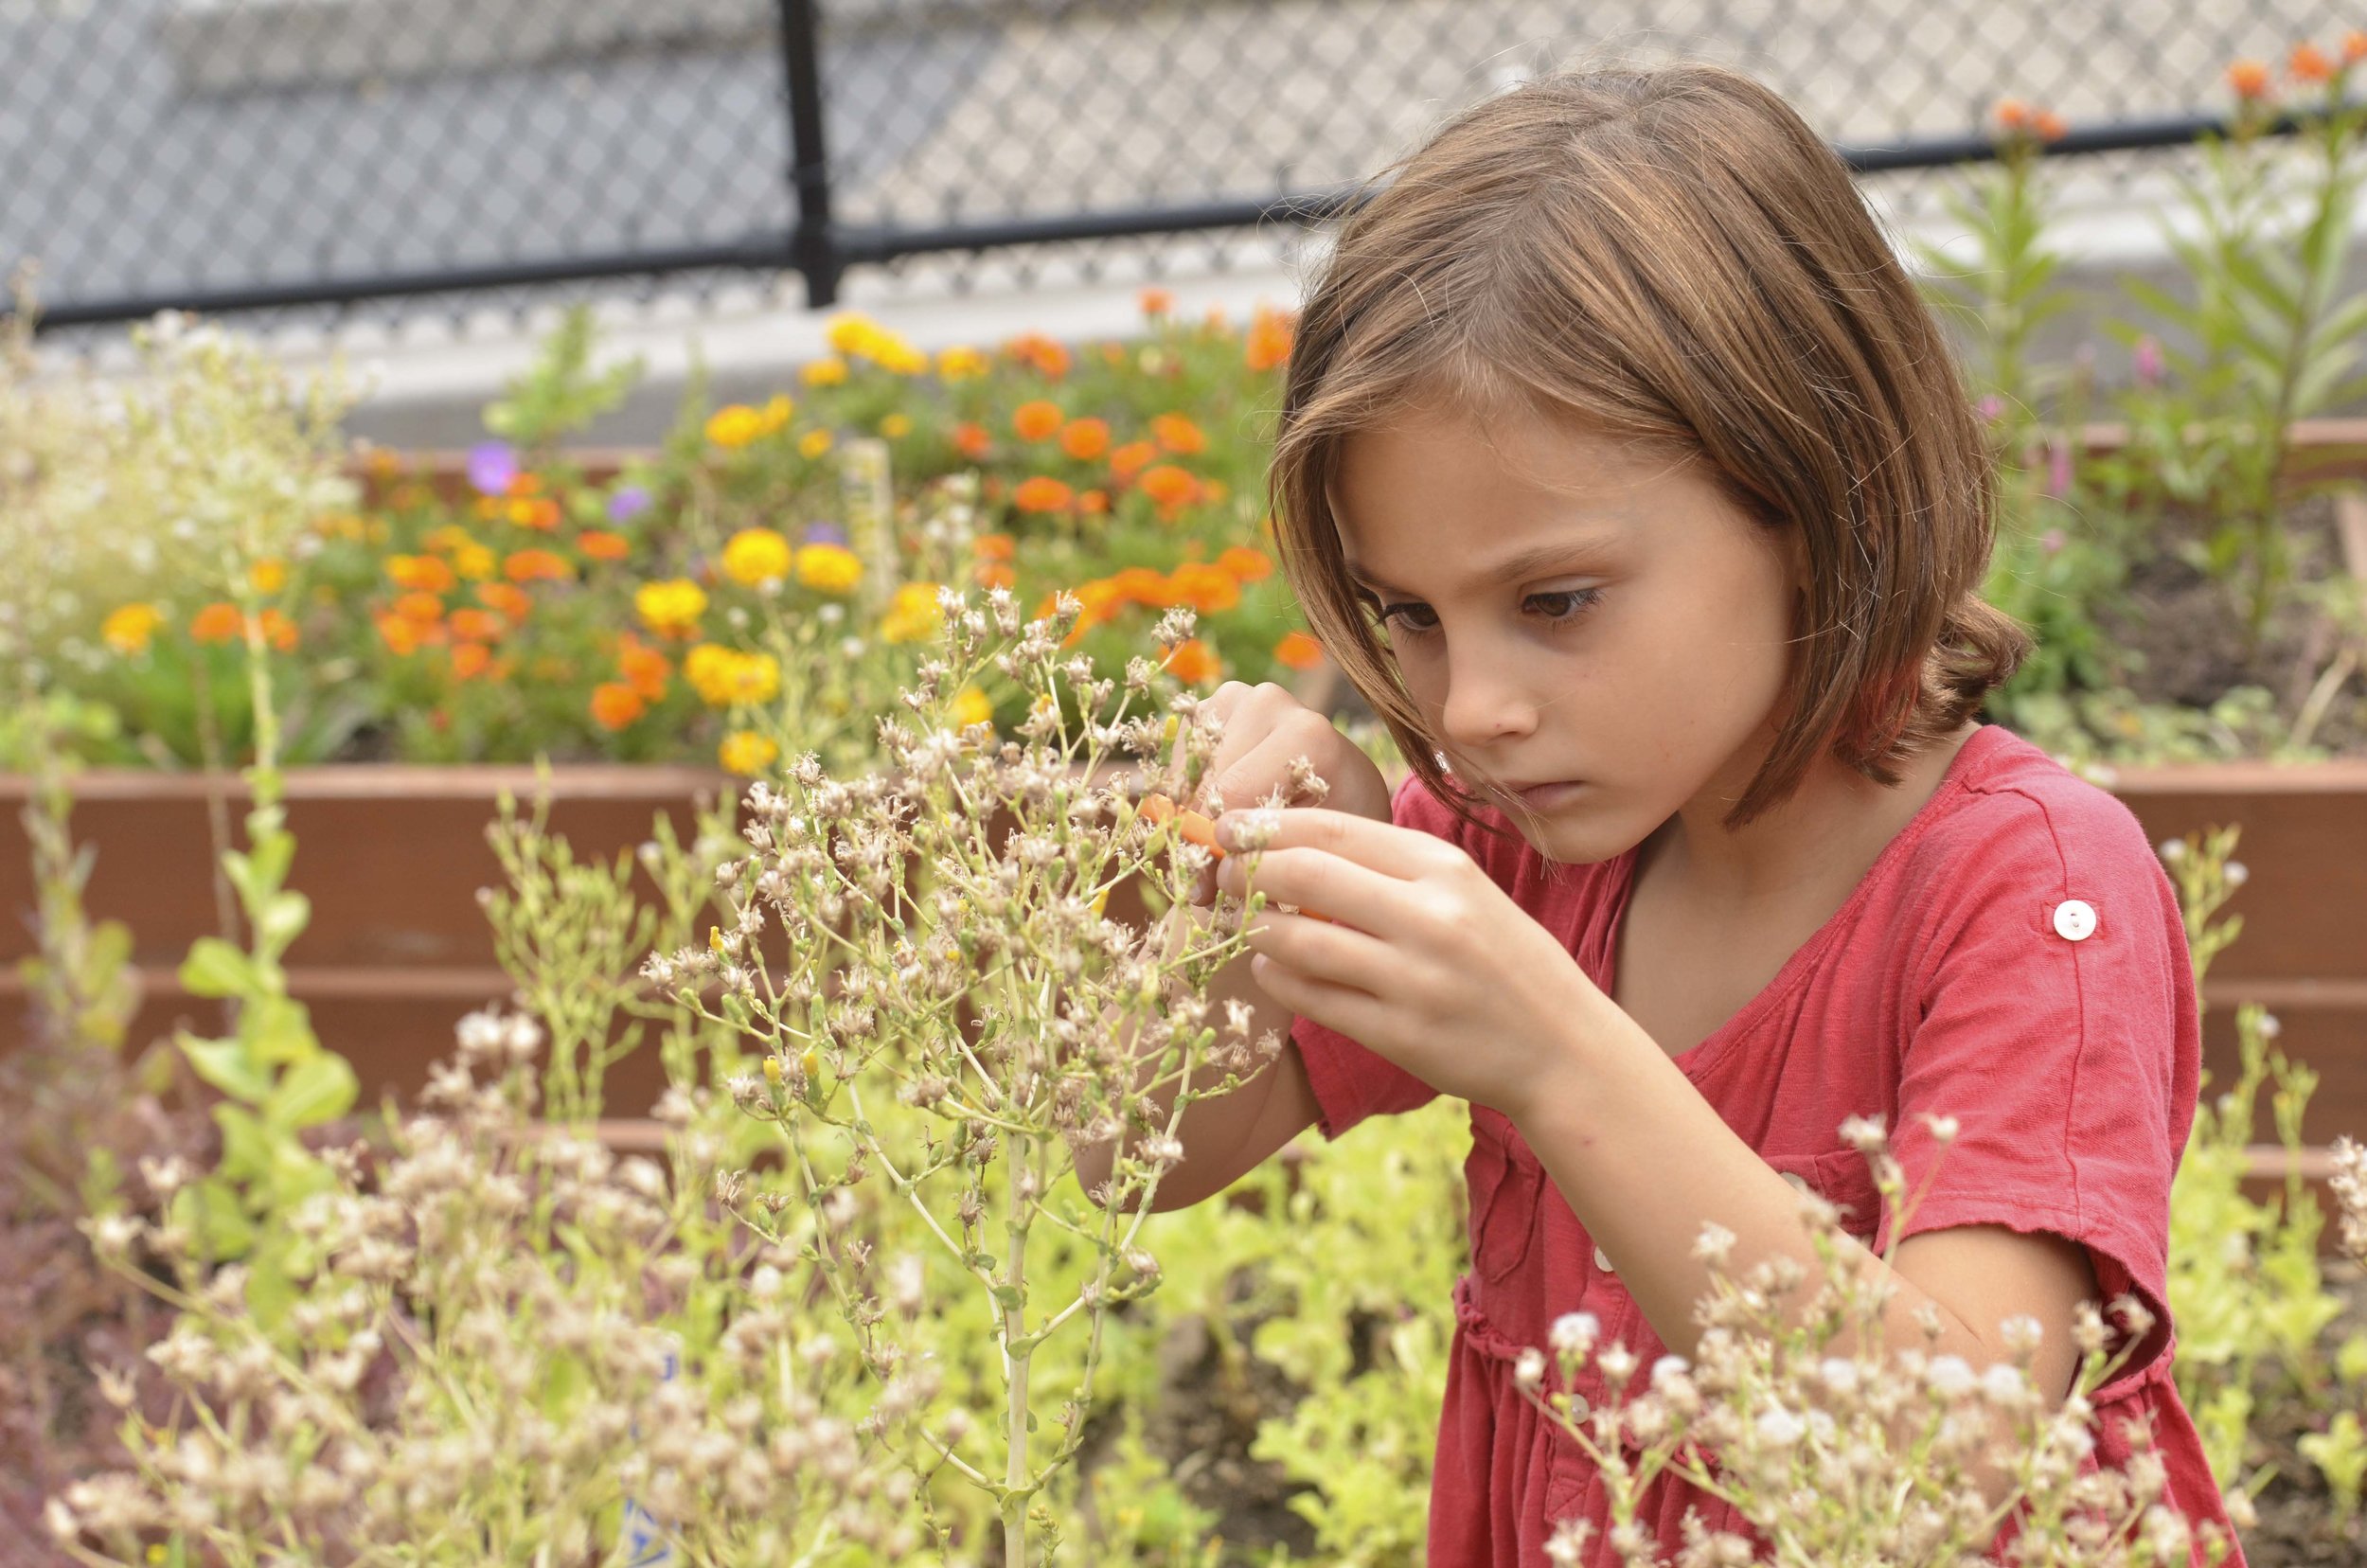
(1036, 420)
(1045, 356)
(510, 600)
(644, 668)
(1195, 663)
(1135, 584)
(426, 609)
(2309, 63)
(1178, 433)
(1247, 565)
(2249, 77)
(993, 547)
(2354, 47)
(1043, 493)
(1085, 439)
(2050, 126)
(525, 484)
(478, 625)
(424, 574)
(1156, 303)
(1093, 502)
(540, 514)
(1170, 488)
(600, 544)
(1132, 458)
(1206, 588)
(971, 440)
(400, 636)
(217, 623)
(469, 659)
(995, 574)
(529, 565)
(2011, 114)
(1297, 650)
(615, 705)
(1269, 344)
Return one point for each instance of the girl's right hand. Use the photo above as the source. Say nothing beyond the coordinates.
(1266, 729)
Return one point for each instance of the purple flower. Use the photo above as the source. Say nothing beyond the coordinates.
(2146, 360)
(491, 466)
(629, 502)
(824, 533)
(1992, 408)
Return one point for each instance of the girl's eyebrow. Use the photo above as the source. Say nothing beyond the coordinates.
(1528, 562)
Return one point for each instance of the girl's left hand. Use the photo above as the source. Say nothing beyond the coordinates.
(1423, 958)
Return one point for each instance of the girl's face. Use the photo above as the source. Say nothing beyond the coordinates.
(1568, 611)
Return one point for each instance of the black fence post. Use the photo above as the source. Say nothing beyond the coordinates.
(813, 245)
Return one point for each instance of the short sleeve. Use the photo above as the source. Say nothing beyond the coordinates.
(1351, 1082)
(2058, 1026)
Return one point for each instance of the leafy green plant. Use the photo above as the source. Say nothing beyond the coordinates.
(2268, 338)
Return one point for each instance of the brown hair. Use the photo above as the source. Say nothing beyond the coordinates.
(1673, 258)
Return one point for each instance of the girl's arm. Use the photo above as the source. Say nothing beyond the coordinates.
(1227, 1136)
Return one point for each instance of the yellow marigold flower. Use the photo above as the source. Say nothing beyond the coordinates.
(756, 555)
(754, 678)
(746, 752)
(831, 568)
(269, 575)
(707, 668)
(897, 426)
(961, 363)
(913, 615)
(813, 443)
(824, 372)
(776, 411)
(970, 707)
(734, 426)
(129, 629)
(851, 335)
(899, 357)
(671, 608)
(473, 562)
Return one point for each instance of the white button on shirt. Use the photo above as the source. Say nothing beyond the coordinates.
(2074, 920)
(1602, 1261)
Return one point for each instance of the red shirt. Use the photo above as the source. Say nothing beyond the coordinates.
(2015, 958)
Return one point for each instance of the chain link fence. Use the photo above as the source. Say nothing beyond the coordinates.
(322, 159)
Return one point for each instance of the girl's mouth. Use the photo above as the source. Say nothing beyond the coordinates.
(1546, 797)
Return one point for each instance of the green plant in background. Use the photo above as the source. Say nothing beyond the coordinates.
(560, 394)
(1361, 1282)
(2268, 337)
(2006, 288)
(2245, 1284)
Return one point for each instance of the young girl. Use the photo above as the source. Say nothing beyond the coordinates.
(1627, 475)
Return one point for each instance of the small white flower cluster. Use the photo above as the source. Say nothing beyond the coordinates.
(1829, 1450)
(2349, 1184)
(547, 1267)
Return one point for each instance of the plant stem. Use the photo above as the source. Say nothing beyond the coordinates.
(1014, 1325)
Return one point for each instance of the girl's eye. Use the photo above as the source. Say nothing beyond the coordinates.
(1562, 608)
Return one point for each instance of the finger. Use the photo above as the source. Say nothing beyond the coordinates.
(1330, 888)
(1359, 1014)
(1405, 853)
(1250, 779)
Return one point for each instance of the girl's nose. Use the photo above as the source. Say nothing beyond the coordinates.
(1486, 705)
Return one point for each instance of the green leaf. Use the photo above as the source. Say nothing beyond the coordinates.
(214, 968)
(224, 1065)
(245, 1144)
(277, 1030)
(319, 1089)
(270, 1291)
(211, 1210)
(281, 920)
